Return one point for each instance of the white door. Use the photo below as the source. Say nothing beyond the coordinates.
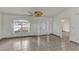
(43, 27)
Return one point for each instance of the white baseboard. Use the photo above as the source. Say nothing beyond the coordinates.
(31, 36)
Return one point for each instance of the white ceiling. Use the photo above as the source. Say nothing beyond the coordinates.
(48, 11)
(14, 10)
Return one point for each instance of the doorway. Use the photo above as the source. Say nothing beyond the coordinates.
(65, 33)
(66, 27)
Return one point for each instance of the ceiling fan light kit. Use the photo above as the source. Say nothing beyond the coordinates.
(38, 13)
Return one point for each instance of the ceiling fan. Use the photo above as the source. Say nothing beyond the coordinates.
(36, 13)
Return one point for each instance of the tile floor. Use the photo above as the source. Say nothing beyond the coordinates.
(40, 43)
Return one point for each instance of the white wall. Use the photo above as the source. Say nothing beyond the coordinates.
(57, 24)
(7, 25)
(74, 25)
(74, 30)
(57, 29)
(0, 26)
(73, 15)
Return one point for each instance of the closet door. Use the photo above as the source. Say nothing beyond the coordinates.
(42, 27)
(34, 29)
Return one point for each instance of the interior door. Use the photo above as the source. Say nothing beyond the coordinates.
(42, 27)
